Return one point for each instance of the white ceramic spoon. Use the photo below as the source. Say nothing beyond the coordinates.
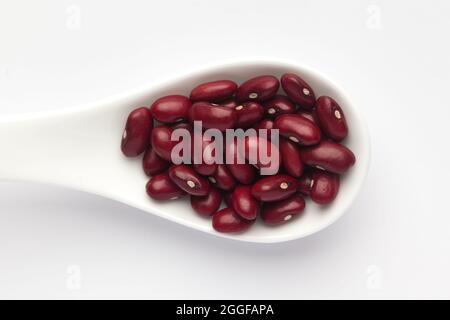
(80, 149)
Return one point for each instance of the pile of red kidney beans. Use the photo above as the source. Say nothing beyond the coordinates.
(310, 151)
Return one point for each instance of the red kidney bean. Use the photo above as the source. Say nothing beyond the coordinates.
(215, 91)
(282, 211)
(256, 146)
(265, 124)
(230, 103)
(248, 113)
(204, 168)
(153, 164)
(244, 204)
(329, 156)
(258, 89)
(331, 118)
(291, 158)
(161, 187)
(274, 188)
(162, 143)
(170, 109)
(325, 187)
(212, 116)
(190, 181)
(243, 172)
(278, 105)
(136, 136)
(207, 205)
(305, 183)
(222, 178)
(310, 115)
(226, 220)
(298, 129)
(298, 90)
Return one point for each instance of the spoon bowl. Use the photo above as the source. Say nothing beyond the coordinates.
(80, 148)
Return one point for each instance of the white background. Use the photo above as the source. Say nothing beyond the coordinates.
(392, 57)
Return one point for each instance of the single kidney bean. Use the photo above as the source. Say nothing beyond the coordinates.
(222, 178)
(212, 116)
(298, 129)
(170, 109)
(284, 210)
(243, 172)
(291, 158)
(278, 105)
(310, 115)
(226, 220)
(265, 124)
(258, 89)
(190, 181)
(153, 164)
(262, 152)
(331, 118)
(205, 168)
(215, 91)
(136, 136)
(162, 143)
(207, 205)
(325, 187)
(298, 90)
(161, 187)
(230, 103)
(305, 183)
(244, 204)
(274, 188)
(248, 113)
(329, 156)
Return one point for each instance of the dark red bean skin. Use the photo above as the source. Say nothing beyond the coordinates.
(244, 173)
(310, 115)
(325, 187)
(182, 125)
(207, 205)
(223, 179)
(282, 211)
(291, 158)
(298, 129)
(274, 188)
(226, 221)
(171, 109)
(278, 105)
(258, 89)
(305, 183)
(203, 168)
(212, 116)
(254, 145)
(329, 156)
(215, 91)
(298, 90)
(161, 141)
(244, 204)
(248, 113)
(228, 198)
(190, 181)
(153, 164)
(230, 103)
(331, 118)
(265, 124)
(136, 136)
(161, 187)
